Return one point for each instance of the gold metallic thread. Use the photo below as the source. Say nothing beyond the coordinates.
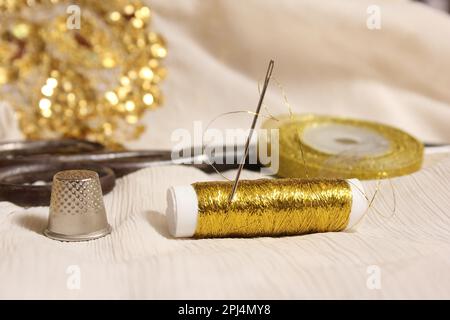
(404, 154)
(272, 207)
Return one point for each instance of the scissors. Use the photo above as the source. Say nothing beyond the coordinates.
(27, 167)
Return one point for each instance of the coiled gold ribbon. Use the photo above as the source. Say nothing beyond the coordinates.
(272, 207)
(321, 146)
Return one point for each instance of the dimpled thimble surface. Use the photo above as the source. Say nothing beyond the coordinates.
(77, 212)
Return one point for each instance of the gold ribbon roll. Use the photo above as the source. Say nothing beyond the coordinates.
(322, 146)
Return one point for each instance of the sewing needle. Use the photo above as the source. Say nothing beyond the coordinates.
(255, 119)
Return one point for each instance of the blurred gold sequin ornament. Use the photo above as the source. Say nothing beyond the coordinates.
(95, 82)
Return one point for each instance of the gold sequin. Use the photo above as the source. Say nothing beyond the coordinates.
(71, 82)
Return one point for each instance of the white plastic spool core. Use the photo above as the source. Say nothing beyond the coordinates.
(182, 208)
(341, 139)
(182, 211)
(360, 204)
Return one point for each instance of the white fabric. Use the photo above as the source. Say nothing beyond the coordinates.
(328, 62)
(326, 59)
(140, 259)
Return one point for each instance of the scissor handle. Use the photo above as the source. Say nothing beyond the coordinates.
(17, 149)
(16, 182)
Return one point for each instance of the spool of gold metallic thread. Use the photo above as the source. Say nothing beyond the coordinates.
(320, 146)
(265, 207)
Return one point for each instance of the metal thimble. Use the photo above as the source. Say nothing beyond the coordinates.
(77, 212)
